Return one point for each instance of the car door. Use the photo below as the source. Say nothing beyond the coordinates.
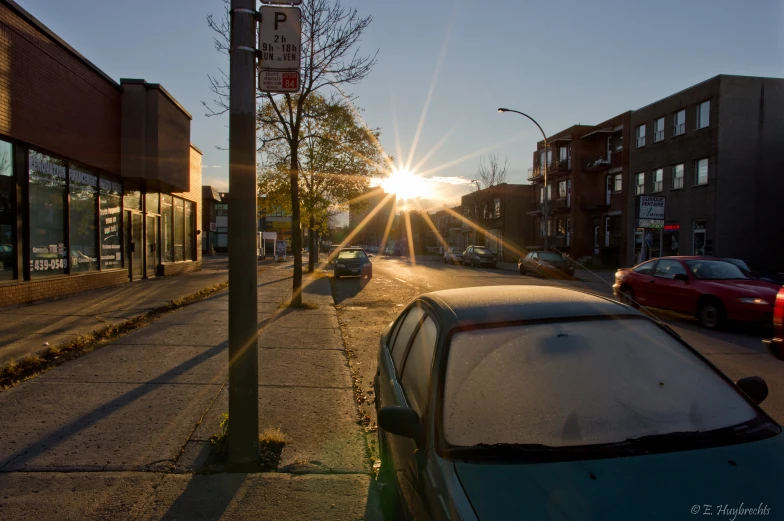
(415, 383)
(666, 292)
(467, 256)
(641, 279)
(532, 263)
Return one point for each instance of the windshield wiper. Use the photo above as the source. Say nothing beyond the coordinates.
(727, 435)
(515, 446)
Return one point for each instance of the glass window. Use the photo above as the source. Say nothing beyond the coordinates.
(698, 237)
(646, 268)
(84, 220)
(640, 133)
(497, 208)
(618, 182)
(668, 268)
(188, 230)
(549, 192)
(703, 114)
(677, 176)
(166, 228)
(658, 180)
(701, 172)
(352, 255)
(7, 212)
(494, 377)
(561, 189)
(132, 200)
(152, 202)
(658, 130)
(47, 216)
(715, 270)
(404, 335)
(111, 241)
(549, 156)
(416, 373)
(562, 154)
(179, 230)
(679, 123)
(639, 183)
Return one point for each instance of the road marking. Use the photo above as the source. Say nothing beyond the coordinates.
(401, 280)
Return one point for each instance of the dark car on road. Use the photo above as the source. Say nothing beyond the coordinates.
(532, 402)
(479, 256)
(712, 290)
(353, 262)
(546, 264)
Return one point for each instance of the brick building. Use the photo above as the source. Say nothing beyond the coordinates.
(499, 217)
(713, 152)
(99, 183)
(372, 232)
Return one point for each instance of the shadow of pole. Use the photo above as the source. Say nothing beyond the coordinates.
(207, 497)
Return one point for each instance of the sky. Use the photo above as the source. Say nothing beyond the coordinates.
(445, 66)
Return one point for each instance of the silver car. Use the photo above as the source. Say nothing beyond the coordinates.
(453, 256)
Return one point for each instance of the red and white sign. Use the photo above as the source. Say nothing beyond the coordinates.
(278, 81)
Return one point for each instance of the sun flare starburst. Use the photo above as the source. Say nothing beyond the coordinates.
(406, 185)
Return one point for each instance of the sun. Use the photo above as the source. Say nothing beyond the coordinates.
(406, 185)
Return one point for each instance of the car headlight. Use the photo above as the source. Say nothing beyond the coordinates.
(341, 265)
(752, 300)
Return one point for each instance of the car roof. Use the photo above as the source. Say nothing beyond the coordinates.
(493, 304)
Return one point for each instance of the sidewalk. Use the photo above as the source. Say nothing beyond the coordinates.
(121, 432)
(25, 329)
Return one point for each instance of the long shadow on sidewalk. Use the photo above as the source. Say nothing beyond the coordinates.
(212, 500)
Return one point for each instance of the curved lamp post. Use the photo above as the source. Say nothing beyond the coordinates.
(545, 212)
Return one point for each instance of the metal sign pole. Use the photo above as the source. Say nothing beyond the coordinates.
(243, 272)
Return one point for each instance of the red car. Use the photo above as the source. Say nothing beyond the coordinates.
(776, 344)
(711, 289)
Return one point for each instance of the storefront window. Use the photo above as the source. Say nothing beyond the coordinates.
(153, 203)
(179, 230)
(84, 214)
(188, 230)
(132, 200)
(109, 224)
(699, 237)
(47, 216)
(7, 212)
(168, 239)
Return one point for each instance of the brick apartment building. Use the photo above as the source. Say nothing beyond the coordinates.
(99, 183)
(586, 166)
(713, 151)
(499, 213)
(373, 231)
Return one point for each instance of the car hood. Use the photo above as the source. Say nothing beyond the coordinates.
(485, 255)
(649, 487)
(751, 288)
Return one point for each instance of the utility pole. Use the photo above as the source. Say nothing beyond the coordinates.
(243, 272)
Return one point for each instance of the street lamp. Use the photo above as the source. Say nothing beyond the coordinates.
(545, 212)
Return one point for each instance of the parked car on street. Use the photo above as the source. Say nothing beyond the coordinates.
(776, 344)
(332, 253)
(752, 273)
(353, 262)
(479, 256)
(546, 264)
(453, 256)
(713, 290)
(556, 403)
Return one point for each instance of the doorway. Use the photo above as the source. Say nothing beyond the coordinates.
(151, 250)
(134, 244)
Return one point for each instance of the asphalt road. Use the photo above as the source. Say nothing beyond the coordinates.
(365, 308)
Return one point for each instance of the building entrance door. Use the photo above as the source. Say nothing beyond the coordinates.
(134, 244)
(151, 250)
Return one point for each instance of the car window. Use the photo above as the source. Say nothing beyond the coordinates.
(352, 254)
(404, 335)
(715, 270)
(668, 268)
(552, 257)
(416, 371)
(606, 382)
(645, 269)
(534, 256)
(529, 256)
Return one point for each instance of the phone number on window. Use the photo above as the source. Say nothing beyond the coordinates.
(48, 264)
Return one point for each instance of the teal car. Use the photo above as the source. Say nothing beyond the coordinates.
(544, 403)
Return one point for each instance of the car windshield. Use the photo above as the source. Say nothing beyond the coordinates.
(351, 254)
(715, 270)
(456, 250)
(482, 251)
(580, 383)
(550, 257)
(739, 263)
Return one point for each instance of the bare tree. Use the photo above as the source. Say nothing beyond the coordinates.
(330, 61)
(491, 171)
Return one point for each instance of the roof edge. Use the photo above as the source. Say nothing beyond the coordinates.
(197, 149)
(48, 32)
(156, 86)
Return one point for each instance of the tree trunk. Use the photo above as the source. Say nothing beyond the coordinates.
(296, 232)
(312, 244)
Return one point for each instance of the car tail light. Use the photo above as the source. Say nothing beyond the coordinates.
(778, 310)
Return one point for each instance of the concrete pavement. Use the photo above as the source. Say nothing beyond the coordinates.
(121, 433)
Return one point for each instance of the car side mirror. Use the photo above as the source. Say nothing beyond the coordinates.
(754, 387)
(681, 276)
(402, 421)
(369, 256)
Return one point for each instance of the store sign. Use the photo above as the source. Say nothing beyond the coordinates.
(650, 223)
(651, 207)
(672, 227)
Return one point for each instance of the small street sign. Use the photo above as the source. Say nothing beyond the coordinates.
(282, 2)
(278, 81)
(280, 38)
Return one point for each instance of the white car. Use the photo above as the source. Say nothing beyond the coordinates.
(453, 256)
